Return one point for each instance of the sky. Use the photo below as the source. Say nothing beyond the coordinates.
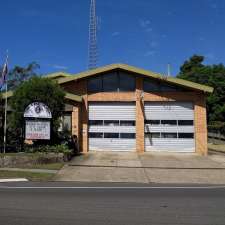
(143, 33)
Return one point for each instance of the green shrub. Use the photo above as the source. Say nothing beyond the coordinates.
(217, 127)
(48, 149)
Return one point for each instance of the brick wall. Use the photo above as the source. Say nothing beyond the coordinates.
(198, 99)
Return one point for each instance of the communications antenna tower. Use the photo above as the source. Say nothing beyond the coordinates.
(92, 48)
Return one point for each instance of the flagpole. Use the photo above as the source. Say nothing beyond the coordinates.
(6, 106)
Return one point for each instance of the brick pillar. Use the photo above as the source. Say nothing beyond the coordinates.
(140, 125)
(201, 126)
(76, 123)
(85, 125)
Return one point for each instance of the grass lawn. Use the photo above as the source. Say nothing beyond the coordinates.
(29, 175)
(50, 166)
(215, 147)
(34, 156)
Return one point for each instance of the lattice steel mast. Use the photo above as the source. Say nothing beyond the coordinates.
(92, 48)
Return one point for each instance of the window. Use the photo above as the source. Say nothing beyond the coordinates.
(169, 122)
(167, 87)
(67, 123)
(169, 135)
(186, 135)
(150, 85)
(127, 82)
(96, 122)
(127, 123)
(110, 82)
(152, 122)
(153, 135)
(185, 122)
(111, 123)
(95, 135)
(111, 135)
(95, 84)
(127, 136)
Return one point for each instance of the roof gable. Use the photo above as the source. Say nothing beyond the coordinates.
(57, 75)
(127, 68)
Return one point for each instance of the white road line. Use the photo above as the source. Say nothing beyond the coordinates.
(98, 188)
(13, 180)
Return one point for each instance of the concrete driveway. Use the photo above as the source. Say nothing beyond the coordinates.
(145, 168)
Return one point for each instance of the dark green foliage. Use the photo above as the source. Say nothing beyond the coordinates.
(37, 89)
(1, 118)
(211, 75)
(20, 74)
(48, 149)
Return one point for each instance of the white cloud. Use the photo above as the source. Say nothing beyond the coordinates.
(116, 33)
(214, 6)
(154, 44)
(30, 13)
(150, 53)
(201, 39)
(144, 23)
(210, 56)
(170, 13)
(60, 67)
(150, 29)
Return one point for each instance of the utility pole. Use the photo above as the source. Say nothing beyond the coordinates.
(4, 73)
(92, 48)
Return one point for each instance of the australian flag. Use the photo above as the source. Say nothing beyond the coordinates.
(4, 74)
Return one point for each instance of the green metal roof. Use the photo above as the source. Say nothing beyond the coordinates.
(139, 71)
(68, 96)
(57, 75)
(7, 94)
(73, 97)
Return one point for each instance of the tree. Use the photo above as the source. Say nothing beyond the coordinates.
(211, 75)
(1, 119)
(20, 74)
(36, 89)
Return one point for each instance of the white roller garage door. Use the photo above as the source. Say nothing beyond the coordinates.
(112, 126)
(169, 126)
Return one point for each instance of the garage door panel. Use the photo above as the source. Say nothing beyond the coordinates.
(109, 120)
(118, 129)
(149, 128)
(181, 145)
(169, 110)
(112, 144)
(176, 134)
(112, 111)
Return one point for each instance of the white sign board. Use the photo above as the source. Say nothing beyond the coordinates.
(37, 110)
(37, 130)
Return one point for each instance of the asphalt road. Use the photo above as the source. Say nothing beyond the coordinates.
(39, 204)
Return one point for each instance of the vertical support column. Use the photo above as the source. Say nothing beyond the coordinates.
(140, 125)
(76, 123)
(201, 126)
(85, 125)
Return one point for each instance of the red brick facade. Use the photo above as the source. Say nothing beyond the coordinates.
(80, 111)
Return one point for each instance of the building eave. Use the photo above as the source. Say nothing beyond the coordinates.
(68, 96)
(132, 69)
(73, 97)
(57, 75)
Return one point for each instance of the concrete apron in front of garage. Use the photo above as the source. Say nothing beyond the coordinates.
(145, 168)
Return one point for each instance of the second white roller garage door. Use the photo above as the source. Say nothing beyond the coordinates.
(169, 126)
